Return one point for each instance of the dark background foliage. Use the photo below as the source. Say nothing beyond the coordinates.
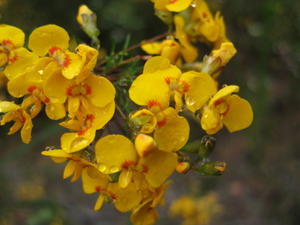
(261, 184)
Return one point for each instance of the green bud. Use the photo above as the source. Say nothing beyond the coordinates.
(207, 146)
(211, 168)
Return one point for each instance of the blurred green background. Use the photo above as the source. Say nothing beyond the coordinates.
(261, 184)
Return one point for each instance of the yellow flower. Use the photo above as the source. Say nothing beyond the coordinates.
(84, 96)
(207, 26)
(228, 109)
(76, 162)
(161, 80)
(172, 5)
(31, 84)
(22, 120)
(54, 41)
(12, 54)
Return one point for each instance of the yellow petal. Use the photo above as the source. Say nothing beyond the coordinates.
(6, 106)
(99, 203)
(174, 134)
(144, 144)
(93, 180)
(89, 56)
(240, 114)
(56, 153)
(125, 199)
(23, 61)
(188, 51)
(152, 48)
(159, 166)
(55, 111)
(225, 52)
(200, 87)
(125, 178)
(211, 121)
(13, 34)
(102, 115)
(147, 89)
(224, 92)
(144, 215)
(74, 67)
(45, 37)
(55, 86)
(156, 63)
(102, 90)
(26, 129)
(178, 5)
(69, 169)
(73, 106)
(76, 141)
(170, 50)
(114, 152)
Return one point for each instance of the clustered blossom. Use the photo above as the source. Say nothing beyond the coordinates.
(131, 172)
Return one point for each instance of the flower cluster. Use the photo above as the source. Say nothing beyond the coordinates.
(131, 171)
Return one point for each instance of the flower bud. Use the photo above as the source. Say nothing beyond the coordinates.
(207, 146)
(144, 144)
(212, 168)
(183, 167)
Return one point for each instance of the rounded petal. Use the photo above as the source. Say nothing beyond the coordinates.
(6, 106)
(143, 121)
(125, 198)
(240, 114)
(158, 166)
(147, 89)
(211, 121)
(144, 215)
(69, 169)
(152, 48)
(102, 90)
(224, 92)
(55, 111)
(114, 152)
(178, 5)
(103, 115)
(93, 180)
(24, 61)
(45, 37)
(156, 63)
(200, 86)
(174, 134)
(55, 86)
(74, 67)
(74, 142)
(13, 34)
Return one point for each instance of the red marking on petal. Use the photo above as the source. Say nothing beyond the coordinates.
(53, 50)
(99, 188)
(69, 90)
(153, 103)
(13, 59)
(112, 195)
(31, 89)
(173, 1)
(67, 61)
(168, 80)
(185, 86)
(88, 89)
(128, 164)
(82, 132)
(90, 117)
(145, 169)
(46, 100)
(162, 122)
